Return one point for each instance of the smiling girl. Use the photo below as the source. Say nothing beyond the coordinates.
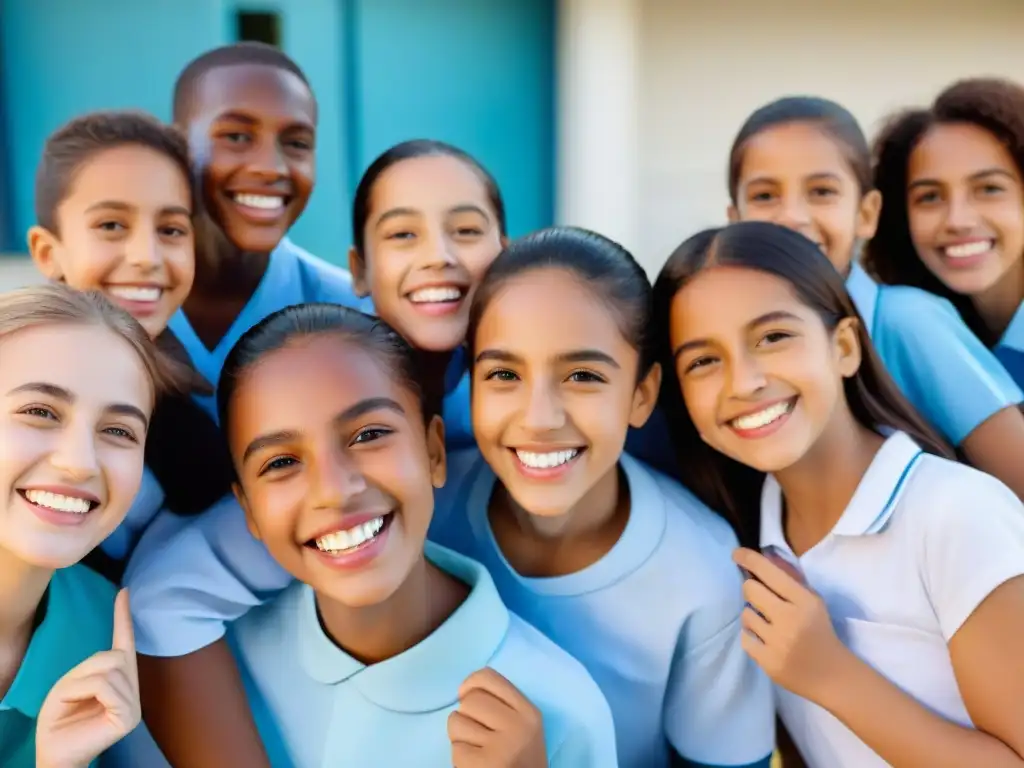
(892, 624)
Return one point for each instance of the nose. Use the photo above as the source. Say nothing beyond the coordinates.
(544, 410)
(268, 160)
(144, 251)
(746, 376)
(794, 214)
(438, 251)
(75, 453)
(961, 214)
(336, 479)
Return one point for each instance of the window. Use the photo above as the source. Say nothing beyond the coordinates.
(259, 27)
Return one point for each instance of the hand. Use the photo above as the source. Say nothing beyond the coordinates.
(93, 706)
(792, 639)
(495, 726)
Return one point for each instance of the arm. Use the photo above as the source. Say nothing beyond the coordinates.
(996, 445)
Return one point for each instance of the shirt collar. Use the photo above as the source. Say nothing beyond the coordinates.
(425, 678)
(864, 292)
(1014, 334)
(872, 505)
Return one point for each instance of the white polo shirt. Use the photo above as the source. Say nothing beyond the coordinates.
(922, 543)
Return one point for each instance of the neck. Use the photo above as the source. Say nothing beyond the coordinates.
(371, 634)
(819, 487)
(1000, 303)
(223, 269)
(21, 590)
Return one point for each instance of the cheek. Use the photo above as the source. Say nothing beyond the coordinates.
(701, 399)
(123, 469)
(478, 258)
(489, 410)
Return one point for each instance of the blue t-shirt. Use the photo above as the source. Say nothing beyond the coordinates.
(942, 368)
(656, 621)
(1010, 349)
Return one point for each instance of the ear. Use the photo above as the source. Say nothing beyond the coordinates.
(436, 452)
(243, 502)
(645, 397)
(504, 242)
(43, 245)
(357, 268)
(847, 346)
(732, 213)
(867, 215)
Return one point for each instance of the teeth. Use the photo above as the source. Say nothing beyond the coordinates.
(58, 502)
(135, 292)
(263, 202)
(340, 541)
(546, 460)
(763, 418)
(968, 249)
(435, 295)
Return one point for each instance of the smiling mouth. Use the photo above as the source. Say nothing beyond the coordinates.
(967, 250)
(548, 460)
(349, 540)
(143, 294)
(57, 502)
(438, 294)
(766, 417)
(262, 203)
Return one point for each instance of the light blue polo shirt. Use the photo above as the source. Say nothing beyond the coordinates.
(144, 508)
(79, 621)
(1010, 349)
(316, 706)
(293, 276)
(943, 369)
(656, 621)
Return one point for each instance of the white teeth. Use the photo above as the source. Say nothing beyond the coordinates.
(70, 504)
(340, 541)
(967, 250)
(263, 202)
(763, 418)
(546, 460)
(435, 295)
(135, 292)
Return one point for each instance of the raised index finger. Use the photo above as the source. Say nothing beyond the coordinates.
(124, 633)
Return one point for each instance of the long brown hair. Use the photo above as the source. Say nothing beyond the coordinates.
(731, 488)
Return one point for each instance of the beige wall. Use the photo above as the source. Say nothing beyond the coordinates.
(704, 66)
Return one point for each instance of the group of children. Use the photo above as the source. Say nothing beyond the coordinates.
(482, 503)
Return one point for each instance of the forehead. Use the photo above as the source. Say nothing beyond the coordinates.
(433, 181)
(260, 91)
(93, 363)
(720, 300)
(130, 173)
(957, 150)
(793, 149)
(307, 383)
(524, 311)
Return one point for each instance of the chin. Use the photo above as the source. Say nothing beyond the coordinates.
(250, 240)
(355, 596)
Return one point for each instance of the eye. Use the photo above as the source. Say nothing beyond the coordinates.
(173, 231)
(39, 412)
(469, 232)
(586, 377)
(122, 433)
(500, 374)
(276, 464)
(237, 137)
(700, 362)
(991, 189)
(824, 192)
(371, 434)
(774, 337)
(401, 235)
(110, 226)
(927, 197)
(761, 197)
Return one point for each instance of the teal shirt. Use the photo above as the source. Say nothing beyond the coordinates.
(78, 622)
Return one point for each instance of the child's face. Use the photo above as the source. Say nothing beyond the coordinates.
(337, 471)
(796, 176)
(125, 230)
(760, 373)
(966, 207)
(551, 410)
(252, 132)
(430, 235)
(76, 402)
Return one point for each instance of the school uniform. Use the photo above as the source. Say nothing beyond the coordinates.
(293, 276)
(1010, 349)
(921, 544)
(75, 621)
(316, 706)
(655, 621)
(148, 501)
(947, 374)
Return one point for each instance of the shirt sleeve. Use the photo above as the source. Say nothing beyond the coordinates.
(591, 742)
(973, 543)
(719, 708)
(187, 584)
(952, 379)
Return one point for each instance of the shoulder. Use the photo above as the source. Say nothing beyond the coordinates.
(266, 629)
(903, 308)
(328, 282)
(944, 494)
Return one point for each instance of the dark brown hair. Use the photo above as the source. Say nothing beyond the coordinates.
(71, 146)
(725, 485)
(992, 104)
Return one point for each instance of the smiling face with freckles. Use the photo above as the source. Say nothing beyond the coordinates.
(76, 402)
(761, 374)
(336, 468)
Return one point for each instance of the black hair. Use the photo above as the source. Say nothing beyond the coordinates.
(303, 321)
(602, 265)
(834, 120)
(992, 104)
(408, 150)
(725, 485)
(76, 142)
(247, 52)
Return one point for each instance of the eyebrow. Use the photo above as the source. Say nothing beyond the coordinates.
(233, 115)
(119, 205)
(59, 393)
(464, 208)
(814, 177)
(768, 317)
(973, 177)
(576, 356)
(363, 407)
